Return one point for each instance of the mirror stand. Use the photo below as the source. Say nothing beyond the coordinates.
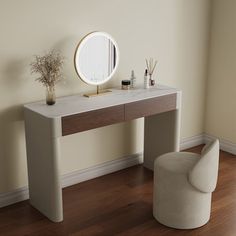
(98, 93)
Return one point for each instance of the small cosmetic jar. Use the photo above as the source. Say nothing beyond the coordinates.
(125, 84)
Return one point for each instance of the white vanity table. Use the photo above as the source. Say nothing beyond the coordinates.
(44, 125)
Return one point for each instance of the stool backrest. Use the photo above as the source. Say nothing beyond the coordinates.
(203, 175)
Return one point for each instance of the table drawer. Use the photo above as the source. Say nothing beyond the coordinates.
(92, 119)
(150, 106)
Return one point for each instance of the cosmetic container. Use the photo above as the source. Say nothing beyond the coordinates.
(125, 84)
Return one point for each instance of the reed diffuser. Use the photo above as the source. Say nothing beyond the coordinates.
(151, 65)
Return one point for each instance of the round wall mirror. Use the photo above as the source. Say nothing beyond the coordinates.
(96, 58)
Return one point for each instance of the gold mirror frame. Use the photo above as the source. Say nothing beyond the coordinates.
(80, 47)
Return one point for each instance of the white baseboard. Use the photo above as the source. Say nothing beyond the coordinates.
(14, 196)
(111, 166)
(101, 169)
(192, 141)
(75, 177)
(225, 145)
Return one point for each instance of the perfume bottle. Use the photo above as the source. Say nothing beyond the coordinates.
(132, 80)
(146, 79)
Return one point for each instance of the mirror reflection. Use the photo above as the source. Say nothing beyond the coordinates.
(96, 58)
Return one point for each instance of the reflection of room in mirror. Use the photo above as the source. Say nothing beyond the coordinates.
(97, 58)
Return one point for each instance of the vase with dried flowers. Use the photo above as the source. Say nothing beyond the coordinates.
(151, 65)
(49, 66)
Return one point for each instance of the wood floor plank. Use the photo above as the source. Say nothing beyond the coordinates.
(121, 204)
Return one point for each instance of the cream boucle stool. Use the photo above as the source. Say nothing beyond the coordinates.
(183, 185)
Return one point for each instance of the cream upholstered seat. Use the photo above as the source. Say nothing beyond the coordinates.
(183, 185)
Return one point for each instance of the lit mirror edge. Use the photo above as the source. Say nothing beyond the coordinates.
(80, 46)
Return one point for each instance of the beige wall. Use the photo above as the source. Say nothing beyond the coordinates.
(174, 32)
(221, 86)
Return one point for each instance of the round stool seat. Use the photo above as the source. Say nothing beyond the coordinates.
(177, 162)
(176, 203)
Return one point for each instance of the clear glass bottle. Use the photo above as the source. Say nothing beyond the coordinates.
(146, 80)
(132, 80)
(152, 81)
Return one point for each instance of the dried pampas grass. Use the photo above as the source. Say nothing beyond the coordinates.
(49, 67)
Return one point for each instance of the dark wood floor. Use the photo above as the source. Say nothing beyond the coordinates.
(121, 204)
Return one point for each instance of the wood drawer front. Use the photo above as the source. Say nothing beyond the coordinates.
(150, 106)
(92, 119)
